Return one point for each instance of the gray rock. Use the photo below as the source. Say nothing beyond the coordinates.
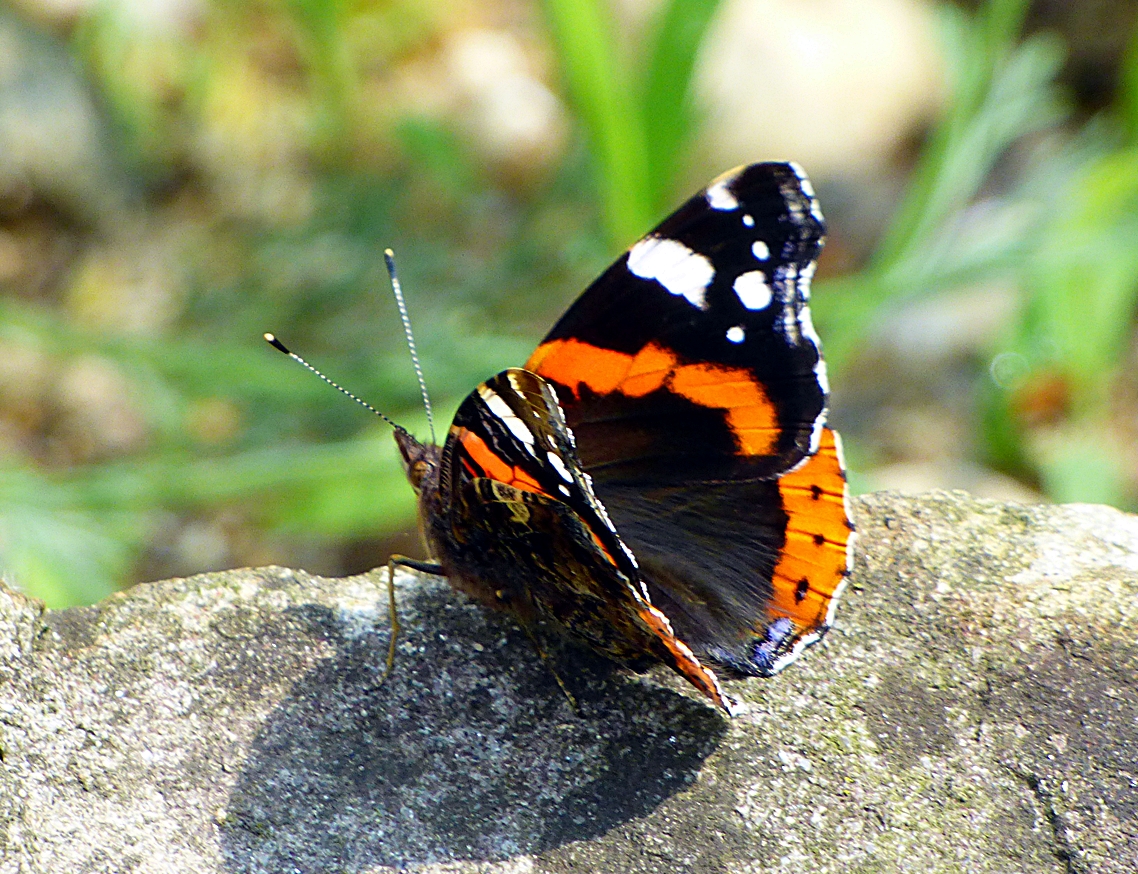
(975, 709)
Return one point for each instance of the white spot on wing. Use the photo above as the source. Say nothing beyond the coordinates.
(823, 376)
(558, 465)
(681, 271)
(736, 334)
(748, 220)
(519, 430)
(502, 410)
(760, 250)
(752, 289)
(806, 326)
(719, 195)
(515, 384)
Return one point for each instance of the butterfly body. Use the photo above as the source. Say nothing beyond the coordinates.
(500, 537)
(659, 480)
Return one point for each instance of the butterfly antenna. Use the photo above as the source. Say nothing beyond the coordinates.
(280, 347)
(389, 257)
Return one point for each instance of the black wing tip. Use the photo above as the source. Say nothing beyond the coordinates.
(785, 180)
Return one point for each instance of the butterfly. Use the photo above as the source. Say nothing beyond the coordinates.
(659, 480)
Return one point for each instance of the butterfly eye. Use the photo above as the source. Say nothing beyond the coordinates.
(416, 473)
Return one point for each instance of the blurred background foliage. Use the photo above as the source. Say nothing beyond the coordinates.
(178, 176)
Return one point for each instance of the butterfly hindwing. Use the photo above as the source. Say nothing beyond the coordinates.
(762, 565)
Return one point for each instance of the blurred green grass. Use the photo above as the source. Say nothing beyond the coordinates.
(487, 266)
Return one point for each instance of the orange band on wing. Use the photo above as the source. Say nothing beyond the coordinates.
(493, 466)
(819, 536)
(573, 363)
(750, 414)
(647, 371)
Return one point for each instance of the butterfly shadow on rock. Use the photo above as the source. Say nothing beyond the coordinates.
(468, 752)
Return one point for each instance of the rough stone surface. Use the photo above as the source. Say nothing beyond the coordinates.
(976, 709)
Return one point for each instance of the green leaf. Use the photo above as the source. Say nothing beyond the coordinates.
(1084, 276)
(1075, 466)
(1000, 93)
(668, 110)
(54, 549)
(600, 87)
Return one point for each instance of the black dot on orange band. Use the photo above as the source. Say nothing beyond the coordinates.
(801, 589)
(816, 492)
(819, 539)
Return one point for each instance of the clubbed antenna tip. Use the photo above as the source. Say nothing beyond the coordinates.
(277, 344)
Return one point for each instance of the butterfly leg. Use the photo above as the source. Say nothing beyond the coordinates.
(426, 567)
(549, 666)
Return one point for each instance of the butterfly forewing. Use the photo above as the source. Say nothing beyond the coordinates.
(693, 380)
(703, 324)
(511, 429)
(522, 529)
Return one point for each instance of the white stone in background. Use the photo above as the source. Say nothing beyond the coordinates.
(510, 113)
(947, 326)
(834, 84)
(99, 409)
(919, 477)
(53, 136)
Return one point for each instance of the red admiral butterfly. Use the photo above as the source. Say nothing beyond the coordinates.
(659, 480)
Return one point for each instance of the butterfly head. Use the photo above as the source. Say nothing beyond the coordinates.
(420, 460)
